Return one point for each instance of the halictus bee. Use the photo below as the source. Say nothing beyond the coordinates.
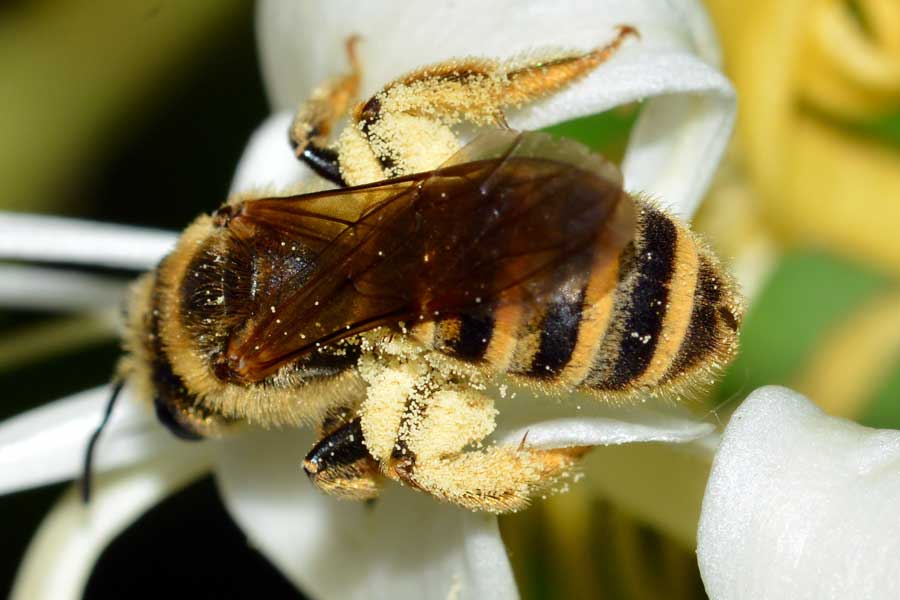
(380, 311)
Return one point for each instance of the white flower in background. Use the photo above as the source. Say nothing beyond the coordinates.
(408, 545)
(800, 505)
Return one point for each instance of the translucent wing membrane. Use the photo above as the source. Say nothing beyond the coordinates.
(510, 219)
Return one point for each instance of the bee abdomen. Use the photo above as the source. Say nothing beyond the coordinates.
(558, 335)
(663, 314)
(657, 315)
(714, 321)
(675, 314)
(467, 336)
(640, 308)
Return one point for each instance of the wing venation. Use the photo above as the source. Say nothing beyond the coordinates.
(511, 218)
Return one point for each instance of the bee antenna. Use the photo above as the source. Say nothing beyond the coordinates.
(87, 473)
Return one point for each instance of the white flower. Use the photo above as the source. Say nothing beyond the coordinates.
(408, 545)
(801, 505)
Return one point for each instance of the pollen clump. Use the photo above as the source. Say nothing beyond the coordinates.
(424, 420)
(454, 419)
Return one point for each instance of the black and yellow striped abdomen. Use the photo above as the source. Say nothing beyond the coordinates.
(660, 317)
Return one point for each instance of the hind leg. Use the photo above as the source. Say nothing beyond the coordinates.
(499, 479)
(437, 451)
(405, 128)
(529, 82)
(478, 90)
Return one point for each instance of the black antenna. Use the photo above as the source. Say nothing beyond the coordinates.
(92, 443)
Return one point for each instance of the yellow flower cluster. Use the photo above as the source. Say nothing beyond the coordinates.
(812, 76)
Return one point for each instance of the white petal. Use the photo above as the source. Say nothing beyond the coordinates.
(39, 288)
(61, 556)
(634, 475)
(56, 239)
(268, 163)
(801, 505)
(680, 134)
(660, 484)
(47, 444)
(581, 420)
(679, 138)
(405, 546)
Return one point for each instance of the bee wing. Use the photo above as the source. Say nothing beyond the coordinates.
(511, 218)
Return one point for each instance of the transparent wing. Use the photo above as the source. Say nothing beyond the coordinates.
(510, 218)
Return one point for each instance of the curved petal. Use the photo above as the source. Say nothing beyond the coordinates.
(660, 484)
(39, 288)
(62, 554)
(801, 505)
(680, 134)
(581, 420)
(406, 545)
(47, 444)
(57, 239)
(633, 475)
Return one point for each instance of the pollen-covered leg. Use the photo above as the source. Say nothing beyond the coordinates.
(405, 128)
(499, 479)
(340, 464)
(532, 81)
(314, 121)
(437, 452)
(478, 89)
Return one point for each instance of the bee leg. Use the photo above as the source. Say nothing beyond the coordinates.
(405, 127)
(340, 464)
(431, 454)
(530, 82)
(478, 90)
(499, 479)
(314, 120)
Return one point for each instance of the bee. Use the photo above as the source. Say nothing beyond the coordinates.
(380, 312)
